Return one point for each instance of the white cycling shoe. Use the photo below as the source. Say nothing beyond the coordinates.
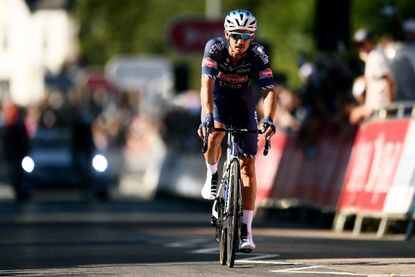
(247, 243)
(210, 187)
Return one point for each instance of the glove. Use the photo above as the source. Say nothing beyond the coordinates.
(207, 122)
(269, 124)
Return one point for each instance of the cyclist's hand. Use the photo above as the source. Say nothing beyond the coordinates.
(268, 127)
(207, 124)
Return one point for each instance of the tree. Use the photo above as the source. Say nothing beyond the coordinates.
(110, 27)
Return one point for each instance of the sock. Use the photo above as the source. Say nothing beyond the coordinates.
(212, 168)
(247, 217)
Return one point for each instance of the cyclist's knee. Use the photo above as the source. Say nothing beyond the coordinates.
(216, 138)
(248, 166)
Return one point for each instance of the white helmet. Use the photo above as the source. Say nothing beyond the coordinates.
(240, 20)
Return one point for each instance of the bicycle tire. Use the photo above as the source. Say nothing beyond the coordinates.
(222, 228)
(222, 247)
(233, 212)
(221, 223)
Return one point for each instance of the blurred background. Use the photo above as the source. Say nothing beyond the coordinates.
(104, 95)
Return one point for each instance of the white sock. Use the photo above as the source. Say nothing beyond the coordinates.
(247, 218)
(212, 168)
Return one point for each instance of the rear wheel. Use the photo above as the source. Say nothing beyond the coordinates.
(233, 212)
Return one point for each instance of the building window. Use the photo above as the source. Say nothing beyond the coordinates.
(3, 39)
(4, 90)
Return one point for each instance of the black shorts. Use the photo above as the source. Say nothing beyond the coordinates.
(240, 114)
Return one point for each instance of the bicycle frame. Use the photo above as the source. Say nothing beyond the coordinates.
(229, 199)
(227, 207)
(232, 153)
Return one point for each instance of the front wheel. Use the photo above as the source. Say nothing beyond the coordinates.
(233, 212)
(222, 247)
(221, 228)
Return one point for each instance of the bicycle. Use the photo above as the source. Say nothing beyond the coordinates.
(227, 207)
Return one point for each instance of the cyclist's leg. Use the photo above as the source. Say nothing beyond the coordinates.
(212, 157)
(248, 202)
(214, 149)
(248, 177)
(249, 146)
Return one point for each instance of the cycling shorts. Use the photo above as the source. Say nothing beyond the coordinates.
(240, 114)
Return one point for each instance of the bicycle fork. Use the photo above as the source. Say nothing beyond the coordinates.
(218, 218)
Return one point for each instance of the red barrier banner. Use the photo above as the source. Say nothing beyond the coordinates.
(401, 195)
(293, 174)
(329, 169)
(268, 166)
(288, 177)
(376, 152)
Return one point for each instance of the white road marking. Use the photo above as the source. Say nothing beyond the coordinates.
(322, 272)
(268, 256)
(212, 250)
(305, 270)
(294, 269)
(186, 243)
(260, 260)
(270, 259)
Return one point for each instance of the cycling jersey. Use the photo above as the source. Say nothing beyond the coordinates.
(255, 66)
(233, 97)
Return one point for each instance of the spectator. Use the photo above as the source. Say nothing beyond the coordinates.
(359, 90)
(287, 105)
(16, 144)
(325, 99)
(379, 80)
(402, 58)
(408, 27)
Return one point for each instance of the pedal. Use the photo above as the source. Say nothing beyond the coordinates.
(213, 221)
(217, 234)
(215, 208)
(244, 250)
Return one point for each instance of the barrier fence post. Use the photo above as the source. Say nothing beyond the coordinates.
(410, 228)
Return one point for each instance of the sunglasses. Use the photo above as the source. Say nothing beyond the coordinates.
(238, 36)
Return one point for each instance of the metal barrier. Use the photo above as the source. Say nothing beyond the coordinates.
(402, 109)
(362, 183)
(381, 171)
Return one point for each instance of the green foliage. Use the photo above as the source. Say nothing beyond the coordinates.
(129, 26)
(286, 25)
(110, 27)
(371, 14)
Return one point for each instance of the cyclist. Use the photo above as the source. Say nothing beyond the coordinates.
(229, 67)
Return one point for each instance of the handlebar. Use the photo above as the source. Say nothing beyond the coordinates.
(236, 130)
(205, 141)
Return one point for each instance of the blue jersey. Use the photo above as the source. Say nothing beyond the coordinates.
(254, 66)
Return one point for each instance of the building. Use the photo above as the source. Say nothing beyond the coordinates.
(36, 37)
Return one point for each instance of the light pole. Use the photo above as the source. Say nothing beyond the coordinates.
(213, 9)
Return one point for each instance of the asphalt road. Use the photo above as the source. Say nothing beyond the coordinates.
(172, 237)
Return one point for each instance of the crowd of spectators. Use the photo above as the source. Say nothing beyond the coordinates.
(333, 98)
(336, 95)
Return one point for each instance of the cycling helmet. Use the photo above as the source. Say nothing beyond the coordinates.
(240, 20)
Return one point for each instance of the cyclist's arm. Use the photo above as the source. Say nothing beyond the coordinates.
(270, 103)
(206, 94)
(390, 87)
(270, 109)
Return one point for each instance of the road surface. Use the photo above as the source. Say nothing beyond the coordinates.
(172, 237)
